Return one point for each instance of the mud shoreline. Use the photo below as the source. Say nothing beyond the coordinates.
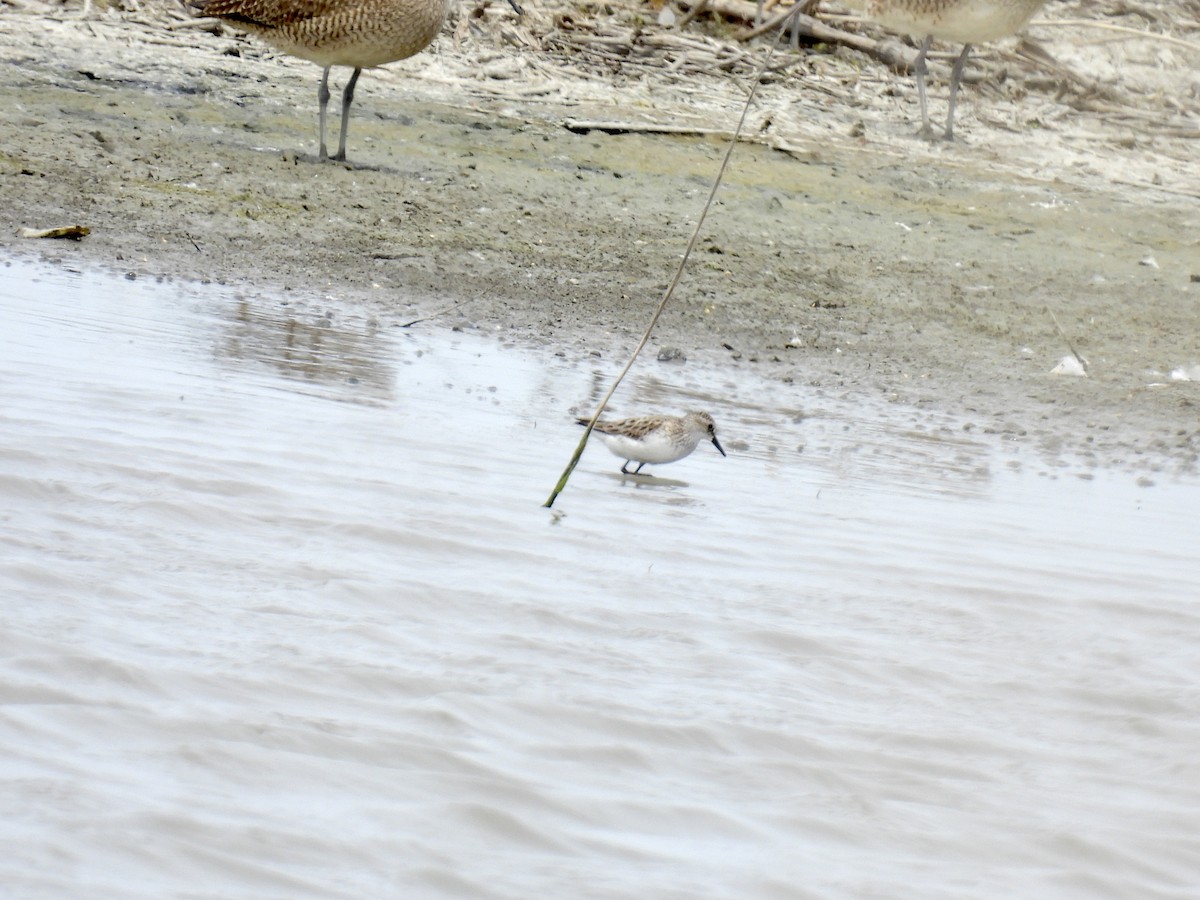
(872, 265)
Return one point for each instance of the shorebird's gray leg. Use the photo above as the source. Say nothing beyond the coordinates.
(323, 102)
(625, 471)
(919, 68)
(347, 99)
(955, 80)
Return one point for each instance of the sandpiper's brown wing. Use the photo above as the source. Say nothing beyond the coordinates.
(603, 426)
(635, 428)
(613, 426)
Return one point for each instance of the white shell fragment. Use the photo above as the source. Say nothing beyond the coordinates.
(1069, 365)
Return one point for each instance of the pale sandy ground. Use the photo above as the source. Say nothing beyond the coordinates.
(843, 253)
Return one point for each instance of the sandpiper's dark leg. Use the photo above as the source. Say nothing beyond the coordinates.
(955, 81)
(323, 103)
(347, 99)
(919, 69)
(625, 471)
(638, 470)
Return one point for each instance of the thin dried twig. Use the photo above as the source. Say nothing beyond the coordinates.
(1075, 353)
(583, 126)
(434, 315)
(686, 18)
(1122, 29)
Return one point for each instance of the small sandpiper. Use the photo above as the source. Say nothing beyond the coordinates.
(361, 34)
(656, 439)
(963, 22)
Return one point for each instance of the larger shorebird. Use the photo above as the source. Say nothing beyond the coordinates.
(963, 22)
(361, 34)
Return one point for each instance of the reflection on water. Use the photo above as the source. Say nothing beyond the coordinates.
(285, 618)
(307, 348)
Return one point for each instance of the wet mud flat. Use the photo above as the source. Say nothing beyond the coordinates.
(854, 260)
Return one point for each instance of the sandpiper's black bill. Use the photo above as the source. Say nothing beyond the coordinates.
(717, 444)
(516, 7)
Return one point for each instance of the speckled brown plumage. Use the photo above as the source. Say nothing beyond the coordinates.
(356, 33)
(962, 21)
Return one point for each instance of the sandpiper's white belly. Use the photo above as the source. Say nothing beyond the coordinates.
(656, 447)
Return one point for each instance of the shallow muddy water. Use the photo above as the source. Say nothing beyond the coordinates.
(284, 617)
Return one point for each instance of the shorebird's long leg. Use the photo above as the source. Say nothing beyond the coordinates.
(625, 471)
(638, 470)
(347, 99)
(323, 103)
(955, 80)
(919, 68)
